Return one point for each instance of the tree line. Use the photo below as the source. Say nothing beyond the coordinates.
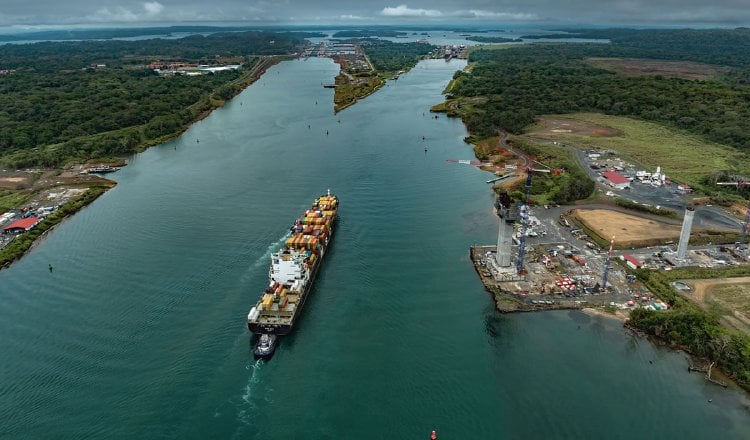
(521, 83)
(55, 107)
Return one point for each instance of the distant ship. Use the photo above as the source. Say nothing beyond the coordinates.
(293, 270)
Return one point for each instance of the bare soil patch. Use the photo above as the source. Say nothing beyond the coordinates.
(34, 181)
(15, 180)
(551, 126)
(629, 230)
(731, 295)
(673, 69)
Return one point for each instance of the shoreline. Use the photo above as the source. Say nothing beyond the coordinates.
(28, 240)
(596, 311)
(20, 246)
(507, 303)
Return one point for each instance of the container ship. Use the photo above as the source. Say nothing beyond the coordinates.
(292, 272)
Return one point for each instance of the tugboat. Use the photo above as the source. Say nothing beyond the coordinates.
(265, 346)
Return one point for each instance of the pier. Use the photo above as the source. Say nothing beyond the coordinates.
(515, 293)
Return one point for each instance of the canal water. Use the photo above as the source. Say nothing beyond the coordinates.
(139, 331)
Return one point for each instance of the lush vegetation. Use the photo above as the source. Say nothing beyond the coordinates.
(23, 242)
(53, 57)
(689, 327)
(387, 56)
(348, 92)
(570, 184)
(521, 83)
(716, 46)
(11, 199)
(509, 89)
(685, 157)
(55, 107)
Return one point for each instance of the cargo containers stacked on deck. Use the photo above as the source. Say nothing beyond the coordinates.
(293, 269)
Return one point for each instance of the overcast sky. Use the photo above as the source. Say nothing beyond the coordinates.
(132, 12)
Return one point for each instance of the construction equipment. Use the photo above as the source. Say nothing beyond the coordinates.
(520, 269)
(741, 243)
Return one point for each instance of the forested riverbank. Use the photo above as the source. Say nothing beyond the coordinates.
(73, 101)
(510, 89)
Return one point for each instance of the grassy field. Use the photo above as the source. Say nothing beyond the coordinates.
(683, 157)
(727, 297)
(12, 199)
(671, 69)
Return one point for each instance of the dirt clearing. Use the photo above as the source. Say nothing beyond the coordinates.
(550, 126)
(731, 296)
(670, 69)
(629, 230)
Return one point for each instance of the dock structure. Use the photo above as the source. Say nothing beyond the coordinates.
(509, 289)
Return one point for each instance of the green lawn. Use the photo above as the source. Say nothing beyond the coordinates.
(682, 156)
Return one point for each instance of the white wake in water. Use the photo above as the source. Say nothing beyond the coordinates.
(247, 406)
(254, 367)
(273, 247)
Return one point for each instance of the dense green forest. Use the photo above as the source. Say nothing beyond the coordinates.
(54, 107)
(520, 83)
(387, 56)
(49, 57)
(727, 47)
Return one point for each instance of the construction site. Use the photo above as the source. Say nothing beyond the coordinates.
(543, 258)
(548, 270)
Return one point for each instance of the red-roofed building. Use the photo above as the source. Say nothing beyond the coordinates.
(631, 261)
(21, 225)
(616, 179)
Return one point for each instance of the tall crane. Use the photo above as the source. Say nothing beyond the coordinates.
(520, 269)
(744, 229)
(607, 262)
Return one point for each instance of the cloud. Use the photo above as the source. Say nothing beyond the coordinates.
(405, 11)
(153, 8)
(117, 14)
(491, 15)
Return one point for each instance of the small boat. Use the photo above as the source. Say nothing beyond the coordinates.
(265, 346)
